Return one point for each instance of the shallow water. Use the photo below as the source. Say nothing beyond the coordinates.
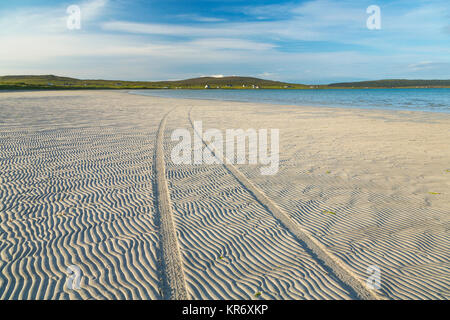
(434, 100)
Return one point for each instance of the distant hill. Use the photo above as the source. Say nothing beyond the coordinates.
(55, 82)
(233, 81)
(38, 78)
(24, 82)
(393, 83)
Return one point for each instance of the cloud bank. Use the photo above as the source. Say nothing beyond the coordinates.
(314, 41)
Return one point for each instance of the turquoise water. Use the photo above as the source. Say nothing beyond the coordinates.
(434, 100)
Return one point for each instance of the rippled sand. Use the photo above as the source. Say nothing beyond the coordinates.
(81, 184)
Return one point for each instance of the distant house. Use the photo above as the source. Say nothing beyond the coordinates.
(49, 84)
(207, 86)
(254, 86)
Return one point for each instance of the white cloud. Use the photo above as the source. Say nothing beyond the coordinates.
(290, 29)
(91, 10)
(198, 18)
(428, 65)
(270, 75)
(47, 20)
(231, 44)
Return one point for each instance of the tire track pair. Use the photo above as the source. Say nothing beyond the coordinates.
(174, 285)
(335, 266)
(173, 280)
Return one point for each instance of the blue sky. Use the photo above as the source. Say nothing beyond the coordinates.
(314, 41)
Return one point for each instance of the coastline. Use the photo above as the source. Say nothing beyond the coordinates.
(274, 101)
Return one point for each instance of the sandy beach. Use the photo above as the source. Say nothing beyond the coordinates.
(87, 180)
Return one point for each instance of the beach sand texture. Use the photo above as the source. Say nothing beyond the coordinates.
(86, 179)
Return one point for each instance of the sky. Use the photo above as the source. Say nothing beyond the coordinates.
(308, 41)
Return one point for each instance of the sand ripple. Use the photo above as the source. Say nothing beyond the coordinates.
(77, 189)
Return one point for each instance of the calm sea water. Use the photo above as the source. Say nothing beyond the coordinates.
(434, 100)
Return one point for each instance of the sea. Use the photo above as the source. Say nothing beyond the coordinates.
(420, 99)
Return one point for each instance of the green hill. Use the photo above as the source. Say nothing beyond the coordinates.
(55, 82)
(25, 82)
(234, 81)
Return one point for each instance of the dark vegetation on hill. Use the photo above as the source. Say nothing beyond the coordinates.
(232, 81)
(54, 82)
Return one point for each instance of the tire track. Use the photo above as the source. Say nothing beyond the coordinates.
(173, 280)
(327, 260)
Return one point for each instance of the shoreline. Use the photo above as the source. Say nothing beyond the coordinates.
(368, 109)
(287, 104)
